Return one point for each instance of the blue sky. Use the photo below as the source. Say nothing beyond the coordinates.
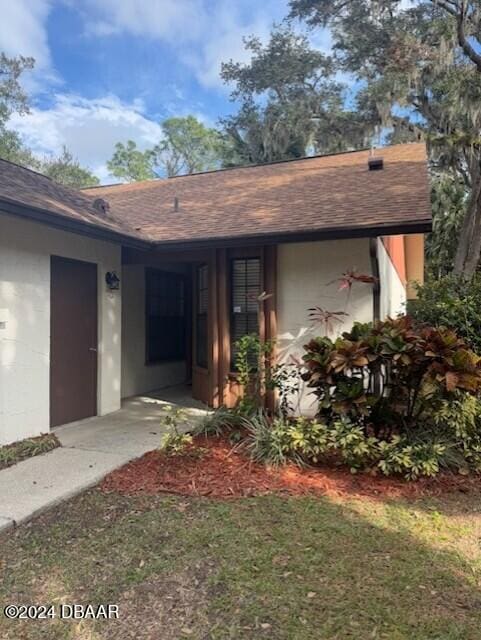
(110, 70)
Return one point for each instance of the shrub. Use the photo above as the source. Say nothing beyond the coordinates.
(267, 440)
(303, 441)
(253, 366)
(392, 373)
(453, 302)
(222, 421)
(173, 442)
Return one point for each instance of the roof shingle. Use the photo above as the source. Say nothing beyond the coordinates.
(318, 194)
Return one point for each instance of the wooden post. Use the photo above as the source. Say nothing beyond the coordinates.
(214, 331)
(270, 308)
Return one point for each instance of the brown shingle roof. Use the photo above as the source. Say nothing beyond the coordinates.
(312, 194)
(323, 194)
(30, 189)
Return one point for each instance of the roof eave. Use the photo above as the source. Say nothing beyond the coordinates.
(307, 235)
(63, 223)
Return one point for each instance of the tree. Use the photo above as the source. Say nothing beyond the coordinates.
(290, 103)
(13, 149)
(13, 99)
(187, 146)
(12, 96)
(423, 57)
(66, 170)
(131, 164)
(449, 197)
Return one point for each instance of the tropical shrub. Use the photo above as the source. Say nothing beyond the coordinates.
(392, 374)
(451, 301)
(253, 367)
(396, 397)
(412, 455)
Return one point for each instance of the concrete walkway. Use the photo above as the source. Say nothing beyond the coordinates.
(90, 449)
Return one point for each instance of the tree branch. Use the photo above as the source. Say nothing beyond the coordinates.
(459, 11)
(463, 41)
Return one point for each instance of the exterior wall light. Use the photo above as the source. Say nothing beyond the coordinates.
(112, 281)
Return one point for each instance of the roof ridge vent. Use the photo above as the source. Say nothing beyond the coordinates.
(375, 163)
(101, 205)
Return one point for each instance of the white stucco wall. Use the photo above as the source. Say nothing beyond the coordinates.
(137, 377)
(307, 274)
(25, 250)
(393, 292)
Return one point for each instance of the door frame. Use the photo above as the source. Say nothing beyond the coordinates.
(95, 399)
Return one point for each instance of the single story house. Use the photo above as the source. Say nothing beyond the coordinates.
(118, 290)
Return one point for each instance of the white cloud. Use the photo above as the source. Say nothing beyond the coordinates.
(226, 42)
(168, 20)
(23, 31)
(204, 32)
(89, 128)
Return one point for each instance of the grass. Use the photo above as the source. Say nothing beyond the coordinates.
(12, 453)
(268, 567)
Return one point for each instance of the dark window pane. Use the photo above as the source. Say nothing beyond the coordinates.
(165, 316)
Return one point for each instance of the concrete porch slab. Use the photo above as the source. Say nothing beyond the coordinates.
(90, 450)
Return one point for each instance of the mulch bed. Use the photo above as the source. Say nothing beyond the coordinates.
(226, 472)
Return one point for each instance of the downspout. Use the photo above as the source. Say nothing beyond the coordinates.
(376, 287)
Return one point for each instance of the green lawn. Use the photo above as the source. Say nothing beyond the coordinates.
(271, 567)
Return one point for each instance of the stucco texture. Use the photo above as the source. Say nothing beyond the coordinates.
(308, 276)
(25, 250)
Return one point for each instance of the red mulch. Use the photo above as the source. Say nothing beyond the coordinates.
(224, 472)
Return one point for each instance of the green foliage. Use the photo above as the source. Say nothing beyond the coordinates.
(221, 421)
(410, 460)
(391, 373)
(18, 451)
(66, 170)
(459, 419)
(130, 164)
(291, 104)
(13, 149)
(449, 196)
(13, 99)
(454, 444)
(423, 57)
(451, 301)
(394, 398)
(174, 443)
(267, 439)
(187, 146)
(253, 367)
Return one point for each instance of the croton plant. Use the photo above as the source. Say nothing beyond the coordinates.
(392, 373)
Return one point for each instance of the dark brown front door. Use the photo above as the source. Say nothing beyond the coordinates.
(73, 340)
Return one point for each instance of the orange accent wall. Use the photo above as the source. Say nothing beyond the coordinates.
(394, 246)
(414, 261)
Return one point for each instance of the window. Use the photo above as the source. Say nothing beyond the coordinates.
(245, 290)
(202, 302)
(165, 316)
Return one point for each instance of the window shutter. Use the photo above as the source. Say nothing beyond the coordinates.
(245, 291)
